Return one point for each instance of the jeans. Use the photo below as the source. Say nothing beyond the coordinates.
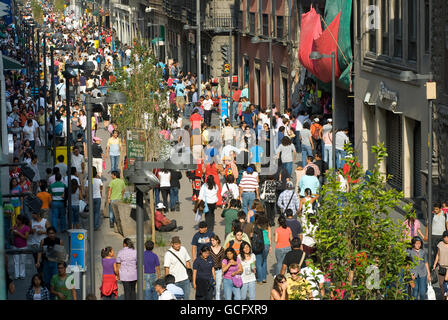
(156, 195)
(328, 155)
(420, 288)
(150, 293)
(229, 289)
(306, 151)
(288, 167)
(58, 212)
(129, 290)
(114, 160)
(111, 211)
(75, 214)
(174, 197)
(96, 212)
(50, 268)
(248, 290)
(262, 264)
(218, 276)
(270, 212)
(187, 109)
(185, 285)
(280, 254)
(234, 115)
(247, 199)
(6, 227)
(165, 192)
(297, 142)
(340, 155)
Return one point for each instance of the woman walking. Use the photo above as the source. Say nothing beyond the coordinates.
(283, 235)
(21, 232)
(37, 290)
(249, 270)
(442, 261)
(209, 194)
(109, 288)
(113, 150)
(217, 254)
(165, 185)
(97, 188)
(286, 152)
(420, 273)
(269, 189)
(204, 275)
(232, 269)
(127, 266)
(49, 263)
(262, 258)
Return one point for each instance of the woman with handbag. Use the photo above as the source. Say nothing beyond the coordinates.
(249, 271)
(442, 260)
(21, 232)
(127, 265)
(420, 273)
(232, 270)
(209, 194)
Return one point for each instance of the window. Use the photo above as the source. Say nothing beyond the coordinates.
(412, 30)
(240, 20)
(372, 33)
(252, 22)
(398, 32)
(385, 27)
(280, 27)
(265, 25)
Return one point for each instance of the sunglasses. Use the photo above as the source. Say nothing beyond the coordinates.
(293, 273)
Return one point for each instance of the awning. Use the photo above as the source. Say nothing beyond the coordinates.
(11, 64)
(159, 41)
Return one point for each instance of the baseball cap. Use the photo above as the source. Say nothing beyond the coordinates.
(160, 206)
(175, 239)
(330, 120)
(250, 170)
(316, 119)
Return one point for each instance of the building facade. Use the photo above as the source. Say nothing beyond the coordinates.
(391, 36)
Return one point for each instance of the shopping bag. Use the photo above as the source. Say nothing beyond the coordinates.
(198, 216)
(431, 292)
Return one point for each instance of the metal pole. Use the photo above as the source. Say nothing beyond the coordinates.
(430, 146)
(37, 77)
(231, 64)
(90, 196)
(198, 39)
(333, 106)
(140, 235)
(271, 73)
(45, 96)
(69, 156)
(53, 104)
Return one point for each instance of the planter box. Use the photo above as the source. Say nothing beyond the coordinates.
(125, 224)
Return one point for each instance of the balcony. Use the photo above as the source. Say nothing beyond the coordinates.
(224, 21)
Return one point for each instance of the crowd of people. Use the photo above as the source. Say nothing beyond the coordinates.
(247, 169)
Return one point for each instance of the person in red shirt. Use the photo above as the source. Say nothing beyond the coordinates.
(162, 223)
(235, 101)
(347, 170)
(196, 120)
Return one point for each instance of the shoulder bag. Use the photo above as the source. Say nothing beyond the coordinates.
(263, 193)
(292, 196)
(189, 270)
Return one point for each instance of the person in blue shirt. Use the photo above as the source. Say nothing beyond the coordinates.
(256, 154)
(201, 239)
(151, 269)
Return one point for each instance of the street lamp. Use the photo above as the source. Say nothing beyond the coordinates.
(271, 73)
(316, 56)
(407, 76)
(94, 105)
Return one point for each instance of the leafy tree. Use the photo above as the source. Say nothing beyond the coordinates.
(38, 13)
(145, 101)
(59, 6)
(357, 240)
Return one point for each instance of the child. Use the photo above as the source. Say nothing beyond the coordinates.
(152, 270)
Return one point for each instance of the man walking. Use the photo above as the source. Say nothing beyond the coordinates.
(176, 262)
(115, 193)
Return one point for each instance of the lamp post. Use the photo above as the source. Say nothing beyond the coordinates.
(94, 105)
(53, 98)
(407, 76)
(198, 40)
(316, 56)
(45, 91)
(271, 73)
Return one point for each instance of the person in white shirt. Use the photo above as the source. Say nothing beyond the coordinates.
(176, 262)
(160, 288)
(178, 292)
(341, 141)
(207, 104)
(316, 278)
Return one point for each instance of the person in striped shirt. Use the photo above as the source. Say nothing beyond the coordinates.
(249, 188)
(57, 191)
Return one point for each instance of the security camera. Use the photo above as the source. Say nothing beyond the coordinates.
(367, 97)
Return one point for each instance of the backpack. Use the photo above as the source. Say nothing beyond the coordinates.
(227, 196)
(257, 241)
(316, 132)
(58, 128)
